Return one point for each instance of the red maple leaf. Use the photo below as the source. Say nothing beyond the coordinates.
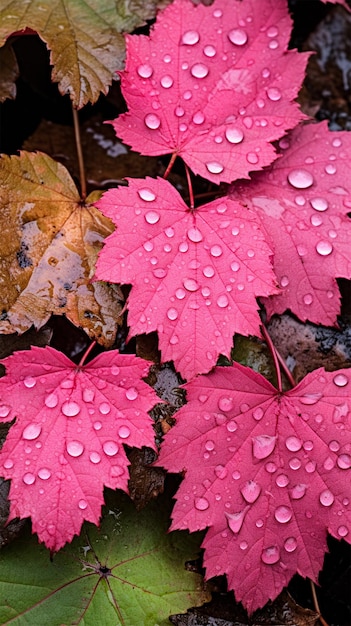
(67, 442)
(268, 472)
(195, 274)
(214, 85)
(304, 199)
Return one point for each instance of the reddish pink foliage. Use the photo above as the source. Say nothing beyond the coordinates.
(67, 442)
(195, 275)
(266, 471)
(304, 199)
(214, 85)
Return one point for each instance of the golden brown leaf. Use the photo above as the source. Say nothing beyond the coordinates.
(49, 244)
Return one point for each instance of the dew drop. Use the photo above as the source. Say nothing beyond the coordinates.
(28, 478)
(293, 444)
(310, 398)
(199, 70)
(343, 531)
(270, 555)
(201, 504)
(326, 498)
(258, 413)
(208, 271)
(222, 301)
(8, 464)
(190, 38)
(75, 448)
(88, 395)
(221, 471)
(32, 431)
(290, 544)
(282, 480)
(252, 158)
(131, 393)
(234, 135)
(300, 179)
(146, 194)
(180, 294)
(237, 36)
(190, 284)
(166, 82)
(195, 235)
(151, 217)
(198, 118)
(263, 446)
(274, 94)
(210, 51)
(172, 314)
(70, 408)
(225, 404)
(324, 248)
(29, 382)
(123, 432)
(115, 370)
(82, 504)
(4, 410)
(308, 299)
(344, 461)
(104, 408)
(95, 457)
(179, 111)
(145, 71)
(97, 425)
(152, 121)
(340, 380)
(44, 473)
(235, 520)
(214, 167)
(216, 251)
(319, 204)
(283, 514)
(110, 448)
(51, 401)
(250, 491)
(235, 266)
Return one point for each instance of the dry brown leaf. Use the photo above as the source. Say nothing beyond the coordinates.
(8, 73)
(49, 245)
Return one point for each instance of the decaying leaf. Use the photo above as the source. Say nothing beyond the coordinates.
(85, 38)
(49, 244)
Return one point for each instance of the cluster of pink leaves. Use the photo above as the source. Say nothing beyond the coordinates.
(266, 471)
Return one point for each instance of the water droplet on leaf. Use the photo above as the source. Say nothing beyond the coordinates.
(75, 448)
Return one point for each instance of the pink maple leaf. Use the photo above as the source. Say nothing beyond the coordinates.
(214, 85)
(304, 199)
(195, 274)
(268, 472)
(67, 441)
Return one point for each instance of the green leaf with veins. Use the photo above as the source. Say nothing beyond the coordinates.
(129, 571)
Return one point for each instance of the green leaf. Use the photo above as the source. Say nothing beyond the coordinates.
(84, 37)
(128, 572)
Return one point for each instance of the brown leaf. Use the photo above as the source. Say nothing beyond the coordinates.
(8, 73)
(85, 38)
(49, 245)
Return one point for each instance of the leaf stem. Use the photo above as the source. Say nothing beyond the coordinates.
(83, 184)
(274, 354)
(190, 187)
(86, 354)
(170, 165)
(316, 604)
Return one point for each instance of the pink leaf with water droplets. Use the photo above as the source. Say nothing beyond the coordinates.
(195, 274)
(267, 472)
(67, 441)
(304, 199)
(215, 85)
